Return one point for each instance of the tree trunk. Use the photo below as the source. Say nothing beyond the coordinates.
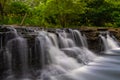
(1, 12)
(23, 19)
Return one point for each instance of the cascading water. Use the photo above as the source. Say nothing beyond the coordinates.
(77, 37)
(16, 53)
(60, 55)
(110, 44)
(60, 60)
(52, 56)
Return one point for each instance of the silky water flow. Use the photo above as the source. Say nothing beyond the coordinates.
(111, 45)
(62, 55)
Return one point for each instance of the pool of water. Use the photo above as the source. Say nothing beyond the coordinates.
(106, 67)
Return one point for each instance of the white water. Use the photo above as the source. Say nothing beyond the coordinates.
(61, 62)
(110, 44)
(60, 58)
(54, 55)
(54, 40)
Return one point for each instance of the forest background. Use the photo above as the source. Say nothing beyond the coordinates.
(60, 13)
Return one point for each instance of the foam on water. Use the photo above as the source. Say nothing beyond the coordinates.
(54, 55)
(111, 46)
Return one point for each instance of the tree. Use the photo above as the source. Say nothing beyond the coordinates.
(61, 12)
(101, 13)
(3, 5)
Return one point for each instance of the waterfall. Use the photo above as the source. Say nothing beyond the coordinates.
(55, 55)
(16, 52)
(104, 42)
(77, 37)
(110, 44)
(51, 54)
(54, 39)
(42, 43)
(64, 55)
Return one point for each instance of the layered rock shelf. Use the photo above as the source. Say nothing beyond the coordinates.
(92, 34)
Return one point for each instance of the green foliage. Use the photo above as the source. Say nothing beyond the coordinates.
(18, 7)
(60, 13)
